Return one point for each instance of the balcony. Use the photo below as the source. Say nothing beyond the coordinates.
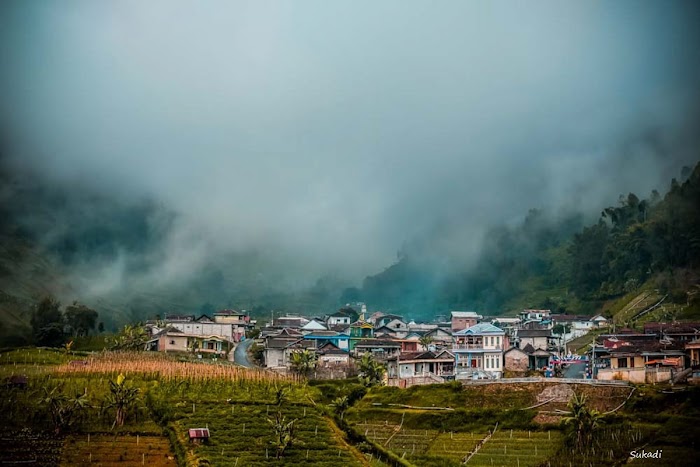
(475, 347)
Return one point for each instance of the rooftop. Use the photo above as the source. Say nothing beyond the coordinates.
(480, 329)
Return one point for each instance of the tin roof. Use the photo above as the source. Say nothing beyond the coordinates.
(199, 433)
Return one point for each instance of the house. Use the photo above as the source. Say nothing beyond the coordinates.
(642, 360)
(275, 346)
(412, 364)
(683, 332)
(172, 339)
(386, 319)
(478, 350)
(537, 338)
(535, 315)
(339, 318)
(380, 349)
(290, 321)
(693, 350)
(230, 330)
(340, 340)
(507, 324)
(386, 331)
(442, 338)
(359, 330)
(538, 358)
(239, 318)
(463, 319)
(330, 356)
(313, 325)
(599, 321)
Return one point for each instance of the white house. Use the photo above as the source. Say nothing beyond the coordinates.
(478, 352)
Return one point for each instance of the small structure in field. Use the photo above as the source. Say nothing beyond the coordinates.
(198, 435)
(16, 381)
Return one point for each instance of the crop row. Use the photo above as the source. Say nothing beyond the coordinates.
(243, 434)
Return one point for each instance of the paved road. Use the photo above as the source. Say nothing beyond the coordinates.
(240, 355)
(575, 370)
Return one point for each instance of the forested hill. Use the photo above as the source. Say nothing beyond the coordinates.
(558, 262)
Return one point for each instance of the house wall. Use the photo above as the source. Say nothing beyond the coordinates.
(635, 375)
(229, 331)
(172, 344)
(516, 361)
(632, 362)
(274, 358)
(536, 342)
(336, 320)
(332, 360)
(462, 323)
(238, 320)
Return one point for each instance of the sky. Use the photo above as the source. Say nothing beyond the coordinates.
(333, 132)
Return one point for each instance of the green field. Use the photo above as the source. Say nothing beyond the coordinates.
(435, 425)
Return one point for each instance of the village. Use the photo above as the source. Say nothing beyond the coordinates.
(466, 346)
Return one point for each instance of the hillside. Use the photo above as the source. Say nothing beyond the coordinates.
(561, 263)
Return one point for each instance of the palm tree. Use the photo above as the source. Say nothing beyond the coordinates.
(582, 421)
(303, 361)
(425, 341)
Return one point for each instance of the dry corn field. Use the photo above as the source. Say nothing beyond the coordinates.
(162, 367)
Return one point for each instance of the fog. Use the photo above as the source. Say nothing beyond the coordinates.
(328, 134)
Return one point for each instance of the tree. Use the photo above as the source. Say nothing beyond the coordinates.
(425, 341)
(47, 323)
(121, 398)
(340, 405)
(582, 422)
(303, 361)
(371, 371)
(80, 318)
(64, 411)
(284, 433)
(131, 337)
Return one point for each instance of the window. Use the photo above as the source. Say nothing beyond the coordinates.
(172, 342)
(622, 362)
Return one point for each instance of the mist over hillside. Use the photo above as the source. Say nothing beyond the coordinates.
(165, 156)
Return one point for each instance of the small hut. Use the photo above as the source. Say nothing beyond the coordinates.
(16, 381)
(199, 435)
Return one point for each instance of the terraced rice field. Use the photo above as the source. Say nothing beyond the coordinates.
(431, 447)
(455, 446)
(110, 450)
(517, 448)
(242, 436)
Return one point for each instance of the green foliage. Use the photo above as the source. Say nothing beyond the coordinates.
(64, 411)
(303, 361)
(284, 433)
(371, 372)
(47, 323)
(131, 337)
(553, 262)
(80, 318)
(582, 422)
(122, 398)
